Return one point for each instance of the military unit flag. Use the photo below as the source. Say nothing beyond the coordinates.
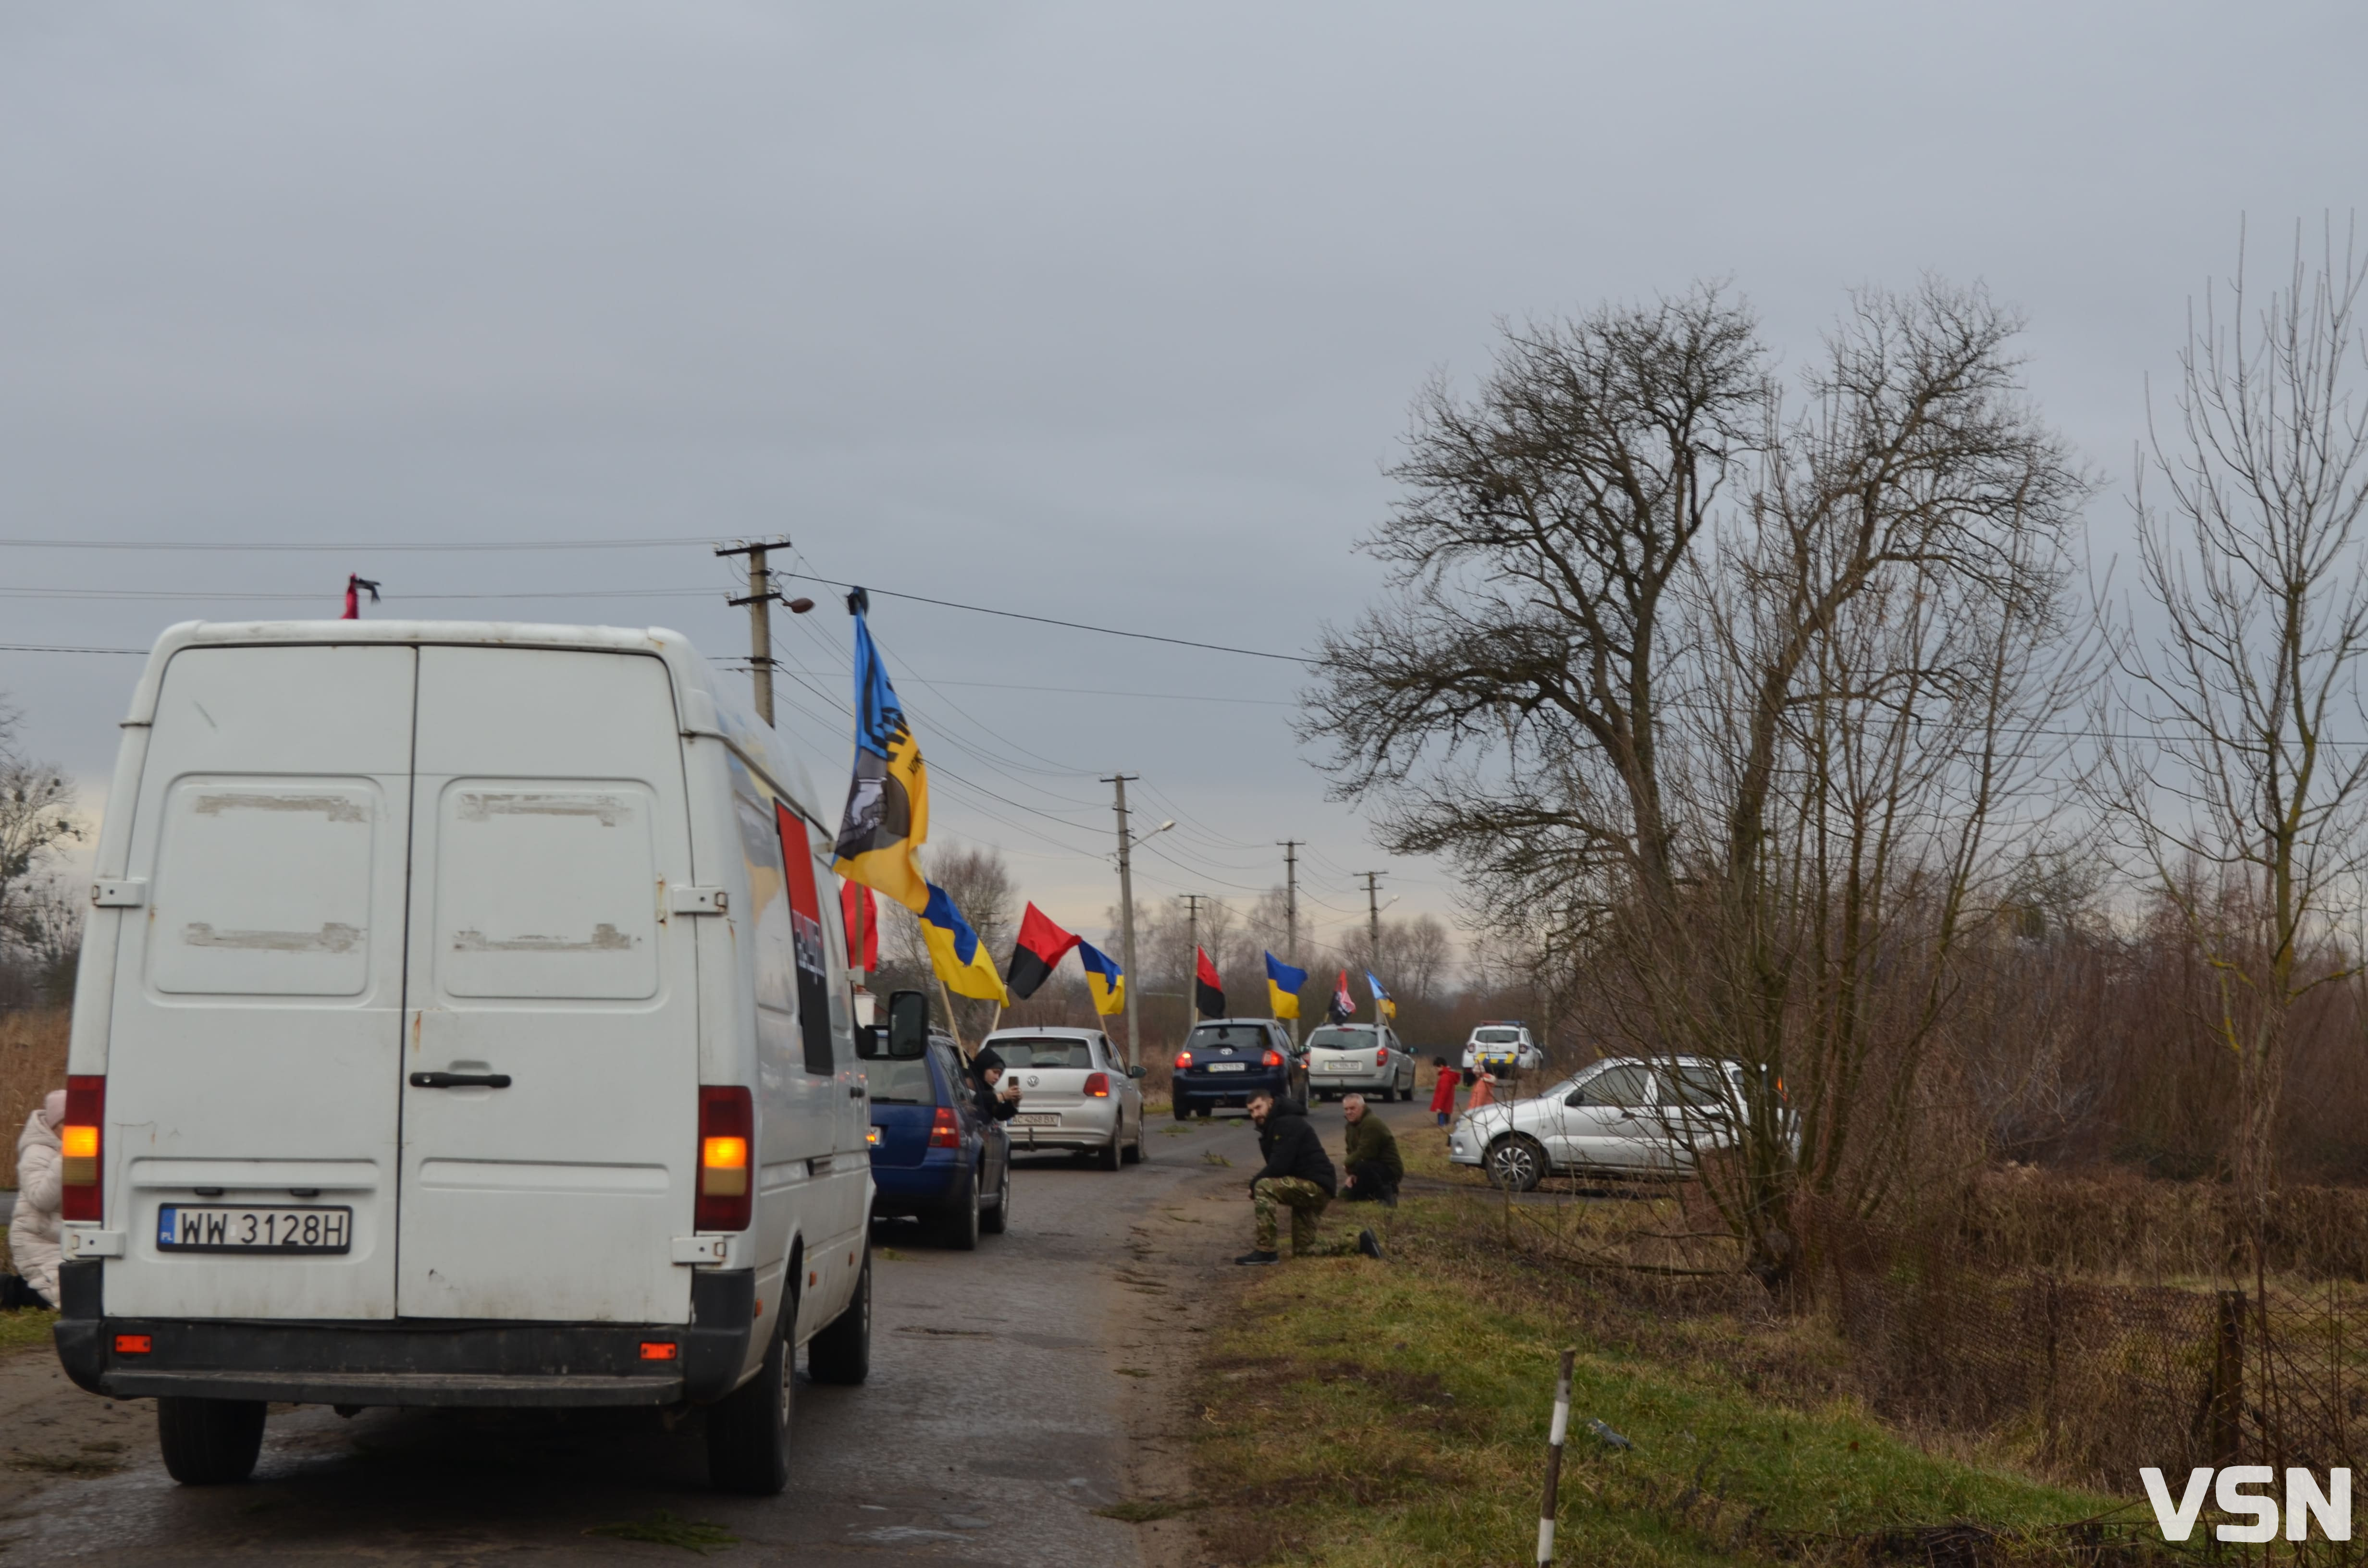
(1208, 993)
(1342, 1008)
(960, 960)
(888, 801)
(1037, 953)
(1382, 1006)
(1282, 983)
(1104, 979)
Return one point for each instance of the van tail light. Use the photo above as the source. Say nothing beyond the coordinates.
(727, 1133)
(1183, 1059)
(80, 1147)
(943, 1133)
(1098, 1085)
(1272, 1059)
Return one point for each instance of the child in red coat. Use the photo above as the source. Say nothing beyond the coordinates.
(1443, 1097)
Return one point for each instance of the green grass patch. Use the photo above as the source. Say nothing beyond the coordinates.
(27, 1329)
(1361, 1414)
(662, 1528)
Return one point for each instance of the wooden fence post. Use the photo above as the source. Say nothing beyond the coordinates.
(1553, 1461)
(2227, 1378)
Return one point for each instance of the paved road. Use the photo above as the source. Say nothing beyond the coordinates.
(1013, 1391)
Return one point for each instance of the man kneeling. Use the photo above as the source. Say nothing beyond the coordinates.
(1374, 1165)
(1297, 1175)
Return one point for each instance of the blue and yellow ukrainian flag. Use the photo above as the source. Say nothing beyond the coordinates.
(1382, 1006)
(955, 951)
(1282, 983)
(888, 801)
(1104, 979)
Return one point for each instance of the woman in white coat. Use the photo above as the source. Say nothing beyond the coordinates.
(33, 1232)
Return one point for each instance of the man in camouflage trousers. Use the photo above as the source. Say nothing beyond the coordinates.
(1297, 1175)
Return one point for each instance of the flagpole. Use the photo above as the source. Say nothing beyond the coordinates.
(954, 1021)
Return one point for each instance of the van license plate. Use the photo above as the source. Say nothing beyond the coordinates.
(1229, 1066)
(191, 1228)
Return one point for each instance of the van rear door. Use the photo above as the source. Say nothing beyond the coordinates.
(549, 819)
(256, 1028)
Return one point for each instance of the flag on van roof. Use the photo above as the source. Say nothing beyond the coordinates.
(955, 952)
(1282, 983)
(1342, 1008)
(1104, 979)
(888, 801)
(1208, 992)
(1382, 1006)
(1037, 953)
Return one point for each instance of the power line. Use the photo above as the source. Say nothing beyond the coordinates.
(1050, 621)
(334, 545)
(330, 596)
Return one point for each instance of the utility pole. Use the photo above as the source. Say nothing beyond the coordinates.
(1192, 902)
(1291, 911)
(1373, 916)
(1126, 910)
(760, 600)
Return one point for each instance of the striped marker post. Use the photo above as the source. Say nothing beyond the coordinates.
(1553, 1461)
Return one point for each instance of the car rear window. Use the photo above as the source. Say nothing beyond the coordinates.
(1227, 1037)
(1341, 1040)
(1497, 1036)
(1043, 1052)
(900, 1083)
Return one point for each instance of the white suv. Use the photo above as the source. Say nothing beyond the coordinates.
(1498, 1046)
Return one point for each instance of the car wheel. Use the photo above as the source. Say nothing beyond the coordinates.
(995, 1219)
(749, 1430)
(1179, 1107)
(209, 1442)
(958, 1227)
(1134, 1149)
(1515, 1163)
(841, 1353)
(1109, 1156)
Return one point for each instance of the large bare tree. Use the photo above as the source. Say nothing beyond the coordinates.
(1502, 705)
(2245, 806)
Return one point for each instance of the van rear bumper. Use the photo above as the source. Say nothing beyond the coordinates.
(410, 1361)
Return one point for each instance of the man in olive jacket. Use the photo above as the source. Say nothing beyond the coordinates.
(1374, 1167)
(1297, 1175)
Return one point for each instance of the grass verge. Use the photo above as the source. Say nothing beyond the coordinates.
(26, 1330)
(1359, 1414)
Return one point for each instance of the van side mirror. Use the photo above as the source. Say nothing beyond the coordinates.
(1137, 1071)
(908, 1026)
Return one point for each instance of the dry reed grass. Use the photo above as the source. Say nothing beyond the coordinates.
(32, 1062)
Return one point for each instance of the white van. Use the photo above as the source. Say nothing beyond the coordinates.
(459, 1024)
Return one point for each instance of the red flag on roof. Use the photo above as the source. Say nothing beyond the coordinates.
(1207, 994)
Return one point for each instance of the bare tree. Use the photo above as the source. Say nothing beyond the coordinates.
(2245, 810)
(1532, 561)
(36, 818)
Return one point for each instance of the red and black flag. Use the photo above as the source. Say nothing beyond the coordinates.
(1342, 1008)
(1037, 954)
(1208, 994)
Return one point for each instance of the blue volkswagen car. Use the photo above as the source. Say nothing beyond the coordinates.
(932, 1155)
(1225, 1060)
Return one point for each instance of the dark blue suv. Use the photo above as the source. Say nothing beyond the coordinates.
(932, 1155)
(1225, 1060)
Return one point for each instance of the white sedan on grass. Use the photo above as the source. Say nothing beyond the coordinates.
(1624, 1116)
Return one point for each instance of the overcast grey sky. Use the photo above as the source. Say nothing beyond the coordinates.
(1092, 311)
